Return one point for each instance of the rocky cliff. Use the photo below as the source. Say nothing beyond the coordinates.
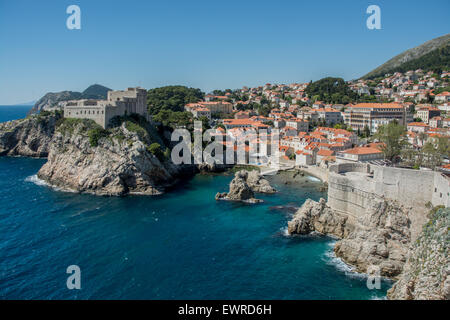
(426, 274)
(51, 99)
(378, 239)
(29, 137)
(119, 161)
(381, 240)
(244, 185)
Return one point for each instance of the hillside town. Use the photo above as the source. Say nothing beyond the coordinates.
(314, 132)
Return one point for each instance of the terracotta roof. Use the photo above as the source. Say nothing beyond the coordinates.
(417, 124)
(325, 152)
(362, 150)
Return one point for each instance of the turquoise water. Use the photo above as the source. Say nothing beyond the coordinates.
(182, 245)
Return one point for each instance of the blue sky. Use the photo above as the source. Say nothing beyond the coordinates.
(204, 44)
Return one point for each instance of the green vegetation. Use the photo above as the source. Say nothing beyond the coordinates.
(43, 116)
(264, 109)
(440, 90)
(436, 60)
(331, 90)
(173, 119)
(393, 136)
(430, 155)
(138, 124)
(172, 98)
(96, 134)
(95, 91)
(434, 151)
(67, 125)
(155, 149)
(133, 123)
(205, 123)
(94, 131)
(135, 127)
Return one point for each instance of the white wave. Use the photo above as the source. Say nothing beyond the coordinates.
(34, 179)
(284, 231)
(349, 271)
(39, 182)
(313, 179)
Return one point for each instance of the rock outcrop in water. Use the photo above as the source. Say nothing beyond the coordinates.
(29, 137)
(85, 158)
(316, 216)
(426, 274)
(379, 238)
(258, 184)
(243, 187)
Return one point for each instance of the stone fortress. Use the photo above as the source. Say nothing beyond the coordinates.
(353, 187)
(118, 103)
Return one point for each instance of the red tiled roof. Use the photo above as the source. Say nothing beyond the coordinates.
(362, 150)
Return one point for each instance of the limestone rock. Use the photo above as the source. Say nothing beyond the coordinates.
(119, 164)
(316, 216)
(29, 137)
(426, 274)
(258, 183)
(239, 189)
(379, 238)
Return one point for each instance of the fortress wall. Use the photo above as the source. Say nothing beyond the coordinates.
(350, 166)
(94, 113)
(112, 111)
(441, 191)
(410, 187)
(350, 195)
(353, 187)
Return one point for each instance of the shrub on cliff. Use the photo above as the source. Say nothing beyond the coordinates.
(134, 127)
(96, 134)
(68, 125)
(155, 149)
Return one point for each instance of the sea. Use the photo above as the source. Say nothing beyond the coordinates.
(180, 245)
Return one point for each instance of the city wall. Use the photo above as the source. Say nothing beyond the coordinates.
(353, 188)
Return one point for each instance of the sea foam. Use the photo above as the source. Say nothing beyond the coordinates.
(34, 179)
(331, 259)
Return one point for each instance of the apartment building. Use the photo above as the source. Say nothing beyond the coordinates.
(363, 114)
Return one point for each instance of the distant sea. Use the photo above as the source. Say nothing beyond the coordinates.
(8, 113)
(181, 245)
